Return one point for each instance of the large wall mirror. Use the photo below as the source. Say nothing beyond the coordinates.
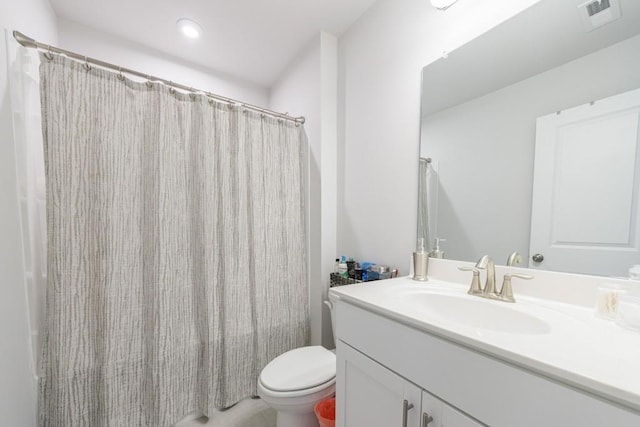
(530, 141)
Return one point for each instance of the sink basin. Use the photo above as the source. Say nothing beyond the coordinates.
(479, 313)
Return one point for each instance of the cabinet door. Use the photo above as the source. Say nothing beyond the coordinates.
(443, 415)
(431, 410)
(369, 394)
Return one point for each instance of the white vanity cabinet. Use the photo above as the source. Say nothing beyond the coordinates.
(372, 395)
(385, 358)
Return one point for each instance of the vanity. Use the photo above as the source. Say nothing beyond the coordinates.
(428, 354)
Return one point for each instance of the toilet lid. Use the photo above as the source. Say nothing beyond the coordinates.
(300, 368)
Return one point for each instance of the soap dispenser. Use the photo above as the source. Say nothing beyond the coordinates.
(420, 262)
(436, 252)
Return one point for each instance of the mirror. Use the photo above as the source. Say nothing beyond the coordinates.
(480, 105)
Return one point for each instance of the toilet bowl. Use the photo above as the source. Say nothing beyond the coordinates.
(294, 382)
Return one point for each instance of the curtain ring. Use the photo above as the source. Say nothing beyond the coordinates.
(172, 90)
(148, 82)
(86, 65)
(262, 116)
(120, 76)
(48, 55)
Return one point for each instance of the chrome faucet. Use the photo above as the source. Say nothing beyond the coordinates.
(490, 284)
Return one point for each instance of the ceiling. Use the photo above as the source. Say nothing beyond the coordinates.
(253, 40)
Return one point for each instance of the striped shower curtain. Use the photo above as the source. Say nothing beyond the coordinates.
(176, 249)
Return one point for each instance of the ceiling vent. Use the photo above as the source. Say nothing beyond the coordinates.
(596, 13)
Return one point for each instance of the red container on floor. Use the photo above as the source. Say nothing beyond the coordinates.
(326, 412)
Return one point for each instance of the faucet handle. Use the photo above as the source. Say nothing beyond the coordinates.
(475, 288)
(506, 292)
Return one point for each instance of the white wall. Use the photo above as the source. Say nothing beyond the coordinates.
(380, 61)
(329, 171)
(308, 88)
(17, 381)
(87, 41)
(486, 221)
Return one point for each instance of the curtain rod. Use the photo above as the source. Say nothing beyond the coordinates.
(31, 43)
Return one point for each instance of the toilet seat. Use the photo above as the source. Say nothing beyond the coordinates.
(266, 393)
(299, 372)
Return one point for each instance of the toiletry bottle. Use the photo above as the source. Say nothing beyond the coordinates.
(351, 268)
(342, 266)
(336, 267)
(366, 266)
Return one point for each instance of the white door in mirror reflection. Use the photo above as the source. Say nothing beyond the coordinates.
(586, 185)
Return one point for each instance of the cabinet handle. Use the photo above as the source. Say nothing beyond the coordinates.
(426, 419)
(405, 411)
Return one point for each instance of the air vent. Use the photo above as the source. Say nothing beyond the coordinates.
(596, 13)
(597, 7)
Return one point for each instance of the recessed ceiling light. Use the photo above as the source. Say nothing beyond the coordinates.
(442, 4)
(190, 29)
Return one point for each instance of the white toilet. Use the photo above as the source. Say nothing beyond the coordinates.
(294, 382)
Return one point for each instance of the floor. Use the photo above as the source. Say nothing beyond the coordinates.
(246, 413)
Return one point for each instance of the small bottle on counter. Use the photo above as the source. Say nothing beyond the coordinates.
(351, 268)
(342, 266)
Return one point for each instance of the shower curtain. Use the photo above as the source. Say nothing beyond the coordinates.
(176, 244)
(24, 88)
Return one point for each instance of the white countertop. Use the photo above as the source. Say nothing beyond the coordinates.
(579, 349)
